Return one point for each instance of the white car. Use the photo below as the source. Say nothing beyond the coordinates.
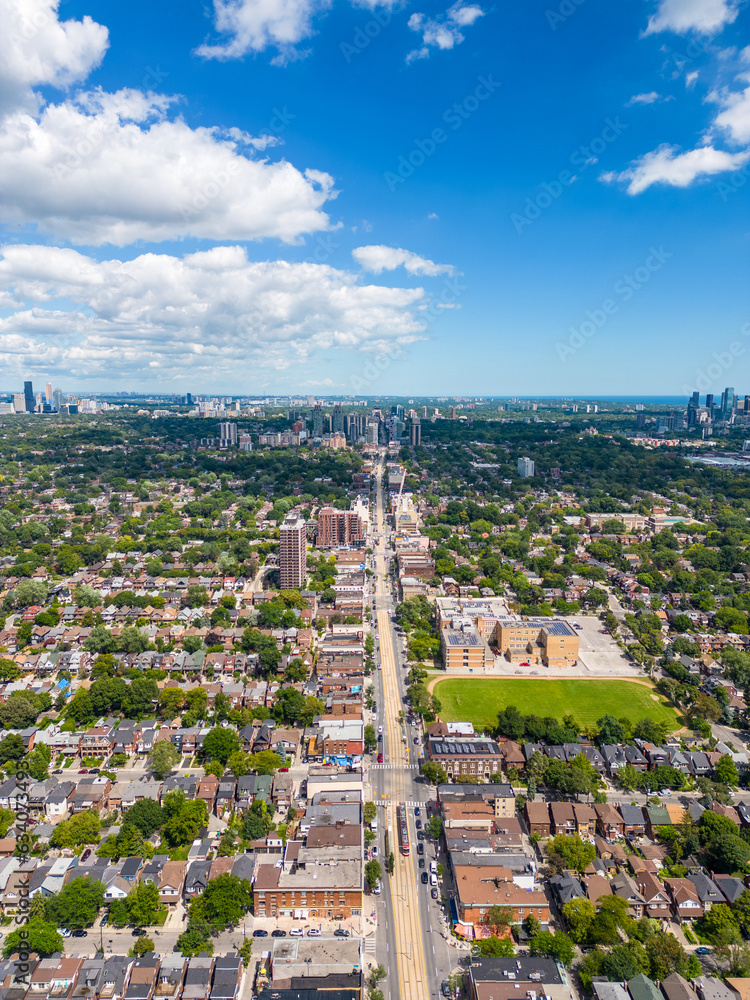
(296, 932)
(313, 932)
(380, 729)
(65, 932)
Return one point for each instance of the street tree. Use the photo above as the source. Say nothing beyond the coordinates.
(162, 758)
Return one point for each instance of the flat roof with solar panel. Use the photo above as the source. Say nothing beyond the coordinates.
(557, 627)
(462, 639)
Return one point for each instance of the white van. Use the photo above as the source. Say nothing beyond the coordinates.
(433, 867)
(433, 879)
(374, 824)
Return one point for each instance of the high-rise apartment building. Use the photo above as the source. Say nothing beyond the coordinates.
(415, 433)
(227, 434)
(317, 418)
(292, 552)
(525, 468)
(337, 426)
(28, 392)
(48, 394)
(727, 402)
(19, 402)
(339, 527)
(372, 432)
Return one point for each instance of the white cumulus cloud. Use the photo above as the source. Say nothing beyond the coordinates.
(114, 168)
(668, 165)
(37, 48)
(444, 31)
(705, 16)
(255, 25)
(734, 118)
(652, 97)
(207, 314)
(376, 259)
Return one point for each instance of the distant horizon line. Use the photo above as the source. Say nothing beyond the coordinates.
(665, 398)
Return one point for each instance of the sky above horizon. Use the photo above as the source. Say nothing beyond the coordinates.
(375, 197)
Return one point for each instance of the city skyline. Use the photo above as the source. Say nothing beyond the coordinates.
(233, 202)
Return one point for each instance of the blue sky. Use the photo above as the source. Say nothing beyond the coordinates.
(410, 197)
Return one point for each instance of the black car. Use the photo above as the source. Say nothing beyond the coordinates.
(278, 933)
(138, 932)
(380, 737)
(260, 933)
(79, 933)
(421, 862)
(420, 848)
(418, 823)
(340, 932)
(425, 878)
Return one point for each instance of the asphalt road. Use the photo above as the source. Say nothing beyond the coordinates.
(392, 783)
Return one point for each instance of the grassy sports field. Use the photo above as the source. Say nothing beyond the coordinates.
(478, 700)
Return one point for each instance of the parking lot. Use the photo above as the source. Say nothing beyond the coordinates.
(599, 654)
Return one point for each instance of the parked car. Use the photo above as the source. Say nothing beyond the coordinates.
(138, 932)
(445, 989)
(313, 932)
(86, 854)
(702, 951)
(58, 771)
(84, 770)
(296, 932)
(94, 770)
(420, 848)
(340, 932)
(418, 823)
(64, 932)
(278, 933)
(282, 769)
(79, 933)
(259, 932)
(434, 893)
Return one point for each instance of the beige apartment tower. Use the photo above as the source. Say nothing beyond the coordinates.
(292, 554)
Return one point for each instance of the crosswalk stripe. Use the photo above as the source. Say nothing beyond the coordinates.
(409, 805)
(393, 767)
(370, 945)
